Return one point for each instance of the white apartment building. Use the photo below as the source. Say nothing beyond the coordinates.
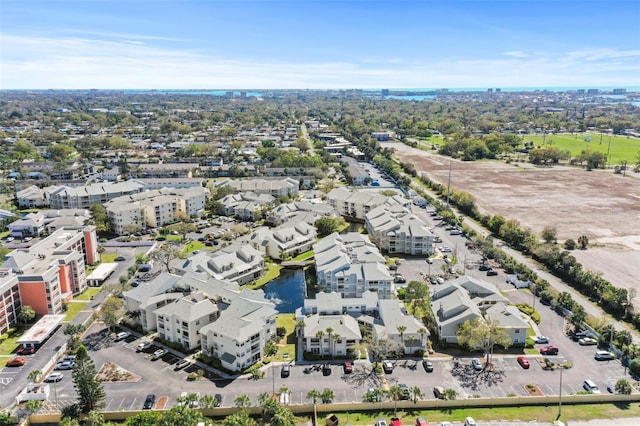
(286, 187)
(334, 335)
(394, 229)
(352, 204)
(240, 334)
(236, 263)
(350, 264)
(154, 209)
(288, 240)
(182, 320)
(84, 197)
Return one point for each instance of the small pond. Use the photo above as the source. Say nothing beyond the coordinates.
(287, 291)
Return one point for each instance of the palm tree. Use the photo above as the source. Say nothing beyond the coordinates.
(283, 417)
(283, 389)
(320, 336)
(327, 396)
(335, 338)
(34, 375)
(208, 401)
(422, 332)
(395, 392)
(329, 330)
(416, 394)
(242, 401)
(300, 326)
(313, 395)
(401, 329)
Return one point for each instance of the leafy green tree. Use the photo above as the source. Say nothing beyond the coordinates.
(327, 225)
(208, 401)
(549, 234)
(90, 392)
(100, 219)
(623, 386)
(396, 393)
(94, 418)
(32, 406)
(181, 415)
(578, 316)
(242, 401)
(327, 396)
(450, 394)
(27, 314)
(583, 242)
(416, 394)
(570, 244)
(144, 418)
(239, 418)
(479, 333)
(111, 311)
(313, 395)
(34, 375)
(283, 417)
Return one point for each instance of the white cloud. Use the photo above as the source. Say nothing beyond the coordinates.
(142, 62)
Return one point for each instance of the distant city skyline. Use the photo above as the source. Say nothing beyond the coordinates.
(263, 44)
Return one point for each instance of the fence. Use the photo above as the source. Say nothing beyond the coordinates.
(324, 409)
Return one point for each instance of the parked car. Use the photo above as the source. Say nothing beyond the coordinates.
(149, 402)
(399, 279)
(218, 398)
(64, 365)
(143, 346)
(438, 392)
(387, 367)
(540, 339)
(26, 350)
(181, 364)
(579, 335)
(429, 261)
(484, 267)
(122, 335)
(590, 386)
(549, 350)
(347, 367)
(395, 421)
(326, 369)
(120, 259)
(54, 377)
(469, 422)
(285, 370)
(158, 354)
(16, 362)
(421, 421)
(427, 365)
(524, 362)
(477, 364)
(587, 341)
(381, 422)
(405, 391)
(603, 356)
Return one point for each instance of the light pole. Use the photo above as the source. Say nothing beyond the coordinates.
(273, 380)
(560, 395)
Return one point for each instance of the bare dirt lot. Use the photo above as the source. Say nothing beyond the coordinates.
(599, 204)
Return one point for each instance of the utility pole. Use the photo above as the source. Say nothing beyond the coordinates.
(560, 396)
(449, 184)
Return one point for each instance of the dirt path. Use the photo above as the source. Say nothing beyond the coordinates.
(599, 204)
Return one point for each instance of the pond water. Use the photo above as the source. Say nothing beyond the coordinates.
(287, 291)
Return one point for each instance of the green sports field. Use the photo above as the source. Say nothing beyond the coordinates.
(622, 148)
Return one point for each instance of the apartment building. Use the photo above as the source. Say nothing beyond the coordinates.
(182, 320)
(33, 197)
(154, 208)
(246, 205)
(288, 240)
(86, 196)
(238, 263)
(352, 204)
(277, 188)
(461, 300)
(175, 183)
(298, 211)
(334, 335)
(53, 269)
(394, 229)
(350, 264)
(10, 303)
(240, 334)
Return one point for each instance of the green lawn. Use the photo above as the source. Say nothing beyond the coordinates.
(73, 308)
(271, 271)
(520, 413)
(88, 293)
(288, 344)
(190, 247)
(622, 148)
(108, 257)
(304, 256)
(8, 341)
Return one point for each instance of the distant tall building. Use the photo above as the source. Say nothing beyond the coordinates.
(498, 90)
(385, 92)
(619, 91)
(490, 90)
(243, 94)
(580, 91)
(592, 92)
(228, 95)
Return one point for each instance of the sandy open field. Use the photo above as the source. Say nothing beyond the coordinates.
(599, 204)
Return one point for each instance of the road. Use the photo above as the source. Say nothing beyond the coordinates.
(305, 135)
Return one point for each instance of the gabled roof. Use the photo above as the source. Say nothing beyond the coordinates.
(343, 325)
(507, 316)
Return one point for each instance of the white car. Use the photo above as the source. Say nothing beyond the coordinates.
(540, 339)
(122, 335)
(143, 346)
(469, 422)
(54, 377)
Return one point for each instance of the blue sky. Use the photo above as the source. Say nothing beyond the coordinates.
(183, 44)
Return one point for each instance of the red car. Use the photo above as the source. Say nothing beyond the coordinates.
(421, 421)
(26, 351)
(395, 421)
(347, 367)
(549, 350)
(524, 362)
(16, 362)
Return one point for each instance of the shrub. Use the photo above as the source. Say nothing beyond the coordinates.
(192, 376)
(634, 366)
